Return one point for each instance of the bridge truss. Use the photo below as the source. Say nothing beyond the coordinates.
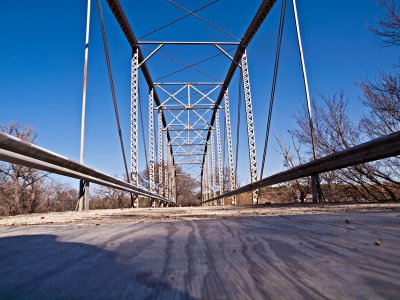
(190, 127)
(189, 116)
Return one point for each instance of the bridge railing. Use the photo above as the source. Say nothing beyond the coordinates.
(17, 151)
(380, 148)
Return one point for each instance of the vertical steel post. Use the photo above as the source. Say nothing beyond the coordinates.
(172, 179)
(316, 190)
(134, 119)
(166, 152)
(188, 119)
(202, 185)
(213, 175)
(169, 175)
(208, 179)
(83, 203)
(250, 125)
(160, 155)
(151, 144)
(206, 182)
(231, 167)
(219, 158)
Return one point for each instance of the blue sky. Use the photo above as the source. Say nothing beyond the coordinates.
(41, 66)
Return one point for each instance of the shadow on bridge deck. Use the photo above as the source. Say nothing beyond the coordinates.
(341, 255)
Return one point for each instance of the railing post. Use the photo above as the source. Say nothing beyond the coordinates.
(250, 125)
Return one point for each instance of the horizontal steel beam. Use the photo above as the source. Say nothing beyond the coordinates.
(187, 154)
(16, 151)
(194, 107)
(199, 125)
(186, 43)
(188, 83)
(192, 129)
(376, 149)
(183, 145)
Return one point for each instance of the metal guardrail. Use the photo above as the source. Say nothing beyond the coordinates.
(380, 148)
(17, 151)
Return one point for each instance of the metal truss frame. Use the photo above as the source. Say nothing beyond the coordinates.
(189, 133)
(186, 109)
(14, 150)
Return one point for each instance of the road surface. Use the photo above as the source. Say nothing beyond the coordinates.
(333, 255)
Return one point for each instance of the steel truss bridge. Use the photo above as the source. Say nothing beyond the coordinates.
(186, 126)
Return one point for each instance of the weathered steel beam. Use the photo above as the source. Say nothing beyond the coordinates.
(380, 148)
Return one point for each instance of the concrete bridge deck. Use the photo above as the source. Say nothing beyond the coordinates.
(334, 252)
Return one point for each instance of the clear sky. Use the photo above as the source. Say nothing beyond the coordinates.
(42, 50)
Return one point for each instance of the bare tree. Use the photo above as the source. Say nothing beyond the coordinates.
(186, 186)
(26, 190)
(334, 131)
(382, 98)
(388, 24)
(20, 186)
(104, 197)
(296, 190)
(187, 190)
